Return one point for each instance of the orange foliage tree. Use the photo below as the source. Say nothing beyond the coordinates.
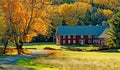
(25, 19)
(72, 13)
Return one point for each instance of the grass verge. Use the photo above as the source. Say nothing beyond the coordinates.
(34, 65)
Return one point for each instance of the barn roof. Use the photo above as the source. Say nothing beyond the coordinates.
(81, 30)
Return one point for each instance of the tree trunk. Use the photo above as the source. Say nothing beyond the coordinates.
(5, 46)
(19, 47)
(5, 41)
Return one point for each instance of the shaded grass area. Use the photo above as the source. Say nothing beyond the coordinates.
(34, 65)
(41, 45)
(71, 60)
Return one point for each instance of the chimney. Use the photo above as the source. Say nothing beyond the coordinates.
(104, 23)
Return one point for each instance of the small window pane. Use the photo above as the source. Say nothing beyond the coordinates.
(69, 37)
(74, 37)
(89, 36)
(81, 36)
(68, 41)
(74, 41)
(63, 41)
(89, 41)
(81, 42)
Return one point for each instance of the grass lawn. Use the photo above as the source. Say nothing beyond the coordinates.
(71, 60)
(41, 45)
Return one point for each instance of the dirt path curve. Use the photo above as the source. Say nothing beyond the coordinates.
(9, 62)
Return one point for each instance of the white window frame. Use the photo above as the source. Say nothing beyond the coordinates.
(69, 36)
(82, 36)
(94, 41)
(74, 41)
(64, 41)
(98, 42)
(89, 36)
(69, 41)
(89, 41)
(82, 42)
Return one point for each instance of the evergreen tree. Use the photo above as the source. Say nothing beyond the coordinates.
(114, 31)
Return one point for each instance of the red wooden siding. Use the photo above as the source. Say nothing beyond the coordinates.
(86, 38)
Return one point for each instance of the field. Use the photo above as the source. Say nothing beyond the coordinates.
(74, 60)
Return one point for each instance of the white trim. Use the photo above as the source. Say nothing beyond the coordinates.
(89, 41)
(82, 42)
(69, 41)
(89, 36)
(69, 36)
(64, 41)
(82, 36)
(74, 41)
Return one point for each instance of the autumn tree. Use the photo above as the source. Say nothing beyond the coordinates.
(114, 31)
(107, 13)
(72, 13)
(26, 19)
(84, 1)
(108, 4)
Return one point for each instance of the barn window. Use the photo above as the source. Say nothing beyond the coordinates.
(89, 41)
(74, 37)
(98, 42)
(81, 42)
(81, 36)
(93, 41)
(68, 37)
(64, 37)
(89, 36)
(63, 41)
(74, 41)
(68, 41)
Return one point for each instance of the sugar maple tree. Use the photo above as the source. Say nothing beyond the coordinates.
(72, 13)
(25, 19)
(3, 32)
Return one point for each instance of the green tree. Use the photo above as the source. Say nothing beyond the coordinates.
(114, 31)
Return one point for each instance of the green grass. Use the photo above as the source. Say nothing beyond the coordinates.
(71, 60)
(41, 45)
(34, 65)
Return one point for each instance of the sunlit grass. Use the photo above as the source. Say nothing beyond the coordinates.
(34, 65)
(69, 60)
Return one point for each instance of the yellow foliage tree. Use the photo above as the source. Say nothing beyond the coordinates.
(71, 13)
(112, 4)
(107, 13)
(26, 19)
(85, 1)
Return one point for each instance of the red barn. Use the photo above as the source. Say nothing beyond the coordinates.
(83, 35)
